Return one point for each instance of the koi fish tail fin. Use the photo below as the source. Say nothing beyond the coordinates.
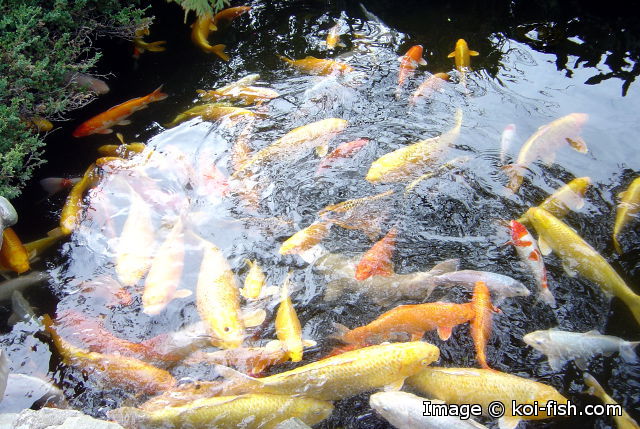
(628, 351)
(156, 46)
(616, 243)
(285, 59)
(157, 95)
(219, 51)
(515, 173)
(594, 387)
(237, 380)
(547, 297)
(339, 332)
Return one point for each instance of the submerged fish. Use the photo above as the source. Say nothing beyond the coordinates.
(628, 208)
(506, 140)
(563, 346)
(333, 38)
(462, 55)
(86, 81)
(317, 66)
(529, 253)
(377, 260)
(482, 322)
(578, 256)
(483, 386)
(499, 285)
(544, 143)
(230, 13)
(429, 86)
(251, 411)
(568, 197)
(39, 124)
(254, 281)
(345, 150)
(13, 255)
(407, 411)
(211, 112)
(409, 62)
(244, 94)
(69, 216)
(305, 239)
(53, 185)
(117, 115)
(404, 163)
(200, 30)
(248, 360)
(365, 214)
(624, 421)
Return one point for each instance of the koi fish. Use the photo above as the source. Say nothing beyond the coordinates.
(365, 214)
(432, 84)
(21, 283)
(53, 185)
(122, 150)
(409, 323)
(288, 328)
(200, 30)
(127, 373)
(117, 115)
(86, 81)
(344, 150)
(409, 62)
(39, 124)
(563, 346)
(377, 260)
(317, 66)
(483, 386)
(211, 112)
(406, 162)
(579, 257)
(265, 411)
(544, 143)
(140, 47)
(333, 38)
(244, 94)
(462, 55)
(482, 322)
(248, 360)
(529, 253)
(628, 207)
(13, 255)
(253, 282)
(499, 285)
(506, 140)
(344, 375)
(37, 247)
(624, 421)
(568, 197)
(229, 14)
(305, 238)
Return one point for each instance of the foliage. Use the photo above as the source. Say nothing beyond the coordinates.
(43, 43)
(201, 7)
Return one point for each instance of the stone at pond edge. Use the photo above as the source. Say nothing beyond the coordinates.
(53, 418)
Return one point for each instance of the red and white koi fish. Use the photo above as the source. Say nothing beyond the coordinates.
(343, 151)
(409, 62)
(53, 185)
(528, 251)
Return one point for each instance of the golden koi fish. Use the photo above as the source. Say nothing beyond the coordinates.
(37, 247)
(404, 163)
(483, 386)
(318, 66)
(128, 373)
(365, 214)
(298, 140)
(544, 143)
(230, 13)
(253, 282)
(13, 255)
(123, 150)
(462, 55)
(305, 238)
(568, 197)
(39, 124)
(288, 328)
(73, 204)
(211, 112)
(578, 256)
(244, 94)
(482, 323)
(344, 375)
(627, 209)
(333, 38)
(253, 411)
(625, 421)
(200, 30)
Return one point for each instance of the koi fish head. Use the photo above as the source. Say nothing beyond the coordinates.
(83, 130)
(462, 44)
(539, 340)
(415, 53)
(518, 230)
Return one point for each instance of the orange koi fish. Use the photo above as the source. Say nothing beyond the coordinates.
(13, 254)
(432, 84)
(482, 321)
(529, 253)
(229, 14)
(318, 66)
(117, 115)
(73, 204)
(410, 321)
(409, 62)
(377, 260)
(200, 30)
(345, 150)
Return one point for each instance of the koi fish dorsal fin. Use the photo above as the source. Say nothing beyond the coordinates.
(452, 54)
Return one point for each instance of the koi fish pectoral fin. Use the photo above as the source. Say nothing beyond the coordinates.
(474, 53)
(444, 332)
(452, 54)
(578, 144)
(395, 386)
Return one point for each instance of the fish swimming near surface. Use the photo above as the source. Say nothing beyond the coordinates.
(244, 94)
(499, 285)
(117, 115)
(529, 254)
(566, 198)
(506, 141)
(482, 322)
(317, 66)
(377, 261)
(229, 14)
(344, 150)
(211, 112)
(628, 208)
(248, 360)
(483, 386)
(333, 38)
(544, 143)
(562, 346)
(405, 163)
(200, 31)
(13, 255)
(462, 55)
(579, 257)
(623, 421)
(433, 83)
(405, 410)
(140, 46)
(288, 328)
(409, 62)
(254, 281)
(305, 239)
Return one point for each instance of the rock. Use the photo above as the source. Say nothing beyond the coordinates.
(292, 423)
(53, 418)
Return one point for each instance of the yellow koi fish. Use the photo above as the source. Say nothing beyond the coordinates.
(333, 38)
(123, 150)
(71, 209)
(625, 421)
(578, 256)
(288, 328)
(317, 66)
(13, 254)
(344, 375)
(305, 238)
(200, 30)
(39, 124)
(364, 214)
(407, 162)
(627, 209)
(462, 55)
(483, 386)
(568, 197)
(544, 143)
(211, 112)
(253, 411)
(243, 94)
(253, 282)
(37, 247)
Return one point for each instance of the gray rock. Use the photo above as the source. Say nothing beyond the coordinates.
(292, 423)
(54, 418)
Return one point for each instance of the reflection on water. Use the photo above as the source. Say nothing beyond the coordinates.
(455, 211)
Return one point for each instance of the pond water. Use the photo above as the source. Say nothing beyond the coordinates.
(534, 66)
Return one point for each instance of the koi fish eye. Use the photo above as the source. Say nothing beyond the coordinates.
(425, 362)
(227, 329)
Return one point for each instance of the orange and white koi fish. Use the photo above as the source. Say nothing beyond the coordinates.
(333, 38)
(544, 143)
(229, 14)
(432, 84)
(409, 62)
(529, 253)
(13, 255)
(377, 260)
(200, 30)
(53, 185)
(117, 115)
(345, 150)
(318, 66)
(481, 324)
(462, 55)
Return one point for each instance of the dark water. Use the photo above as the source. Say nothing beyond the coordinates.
(535, 65)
